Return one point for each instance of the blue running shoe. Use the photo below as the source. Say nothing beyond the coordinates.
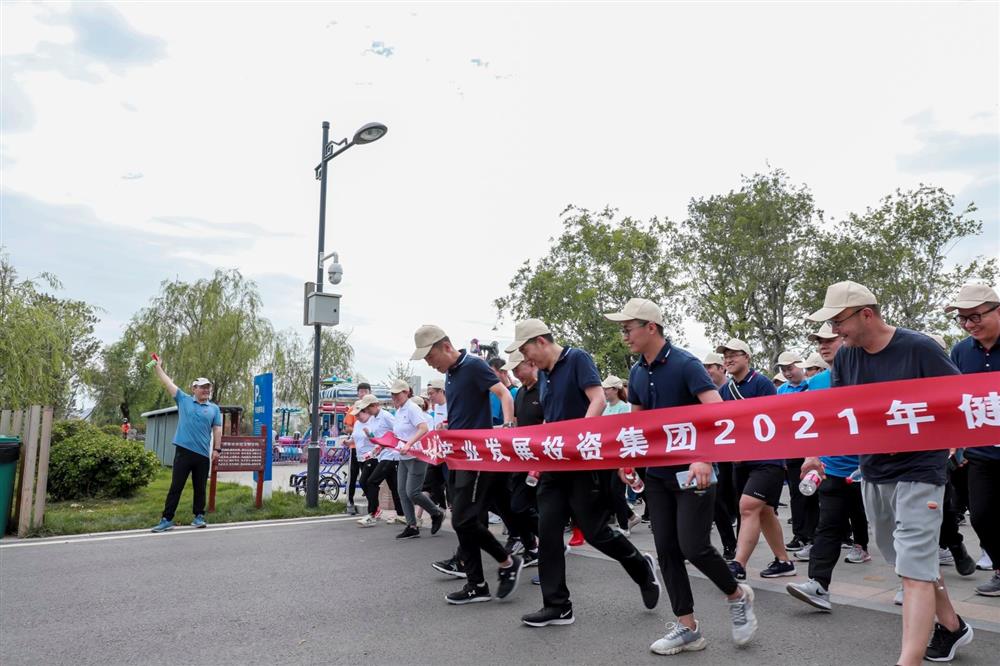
(199, 521)
(164, 525)
(537, 580)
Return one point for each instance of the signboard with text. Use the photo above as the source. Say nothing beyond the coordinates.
(263, 414)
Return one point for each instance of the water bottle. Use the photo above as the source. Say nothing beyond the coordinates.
(810, 482)
(532, 479)
(633, 480)
(150, 364)
(855, 477)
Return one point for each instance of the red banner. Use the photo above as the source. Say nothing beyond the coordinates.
(890, 417)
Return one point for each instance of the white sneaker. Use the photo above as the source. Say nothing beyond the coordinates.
(898, 600)
(803, 553)
(985, 563)
(494, 519)
(679, 639)
(945, 556)
(811, 592)
(742, 616)
(368, 521)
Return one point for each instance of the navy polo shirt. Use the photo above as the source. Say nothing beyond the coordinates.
(674, 378)
(467, 385)
(971, 356)
(562, 389)
(754, 385)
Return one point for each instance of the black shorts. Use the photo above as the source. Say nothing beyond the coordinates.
(762, 482)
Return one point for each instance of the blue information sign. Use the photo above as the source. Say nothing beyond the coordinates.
(263, 413)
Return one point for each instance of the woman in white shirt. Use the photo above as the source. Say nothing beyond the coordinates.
(410, 425)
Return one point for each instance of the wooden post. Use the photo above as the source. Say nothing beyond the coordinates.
(260, 475)
(214, 476)
(5, 422)
(43, 468)
(15, 431)
(30, 459)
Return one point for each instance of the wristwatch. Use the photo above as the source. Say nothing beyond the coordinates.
(509, 424)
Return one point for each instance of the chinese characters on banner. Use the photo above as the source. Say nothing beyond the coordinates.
(891, 417)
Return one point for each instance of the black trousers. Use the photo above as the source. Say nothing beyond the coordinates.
(950, 536)
(984, 505)
(355, 470)
(582, 496)
(840, 503)
(472, 495)
(187, 462)
(725, 490)
(805, 508)
(384, 470)
(435, 485)
(524, 509)
(682, 530)
(724, 522)
(365, 472)
(618, 503)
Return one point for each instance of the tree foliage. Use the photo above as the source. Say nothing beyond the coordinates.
(292, 363)
(399, 370)
(46, 342)
(598, 262)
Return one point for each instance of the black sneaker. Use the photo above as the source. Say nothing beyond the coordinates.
(409, 532)
(352, 510)
(651, 590)
(964, 564)
(508, 577)
(794, 545)
(777, 569)
(549, 615)
(436, 523)
(729, 554)
(470, 594)
(530, 558)
(513, 545)
(644, 519)
(450, 567)
(943, 643)
(739, 573)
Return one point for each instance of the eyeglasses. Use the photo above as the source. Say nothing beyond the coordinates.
(627, 331)
(834, 323)
(728, 356)
(974, 318)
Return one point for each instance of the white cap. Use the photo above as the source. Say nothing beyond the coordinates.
(515, 359)
(201, 381)
(425, 338)
(612, 382)
(780, 378)
(398, 386)
(790, 358)
(526, 330)
(815, 361)
(825, 332)
(640, 309)
(973, 295)
(712, 358)
(436, 384)
(734, 344)
(841, 296)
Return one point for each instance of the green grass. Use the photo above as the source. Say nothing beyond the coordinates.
(233, 503)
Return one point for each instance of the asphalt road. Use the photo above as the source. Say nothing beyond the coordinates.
(330, 592)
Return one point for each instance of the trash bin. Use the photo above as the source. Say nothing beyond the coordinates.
(10, 451)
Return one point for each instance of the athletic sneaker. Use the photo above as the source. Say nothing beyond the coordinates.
(436, 523)
(742, 616)
(163, 525)
(199, 521)
(409, 532)
(811, 592)
(990, 588)
(739, 573)
(633, 520)
(368, 521)
(985, 563)
(536, 580)
(651, 591)
(898, 599)
(728, 554)
(794, 545)
(450, 567)
(964, 564)
(679, 639)
(943, 643)
(945, 557)
(577, 538)
(857, 555)
(470, 594)
(494, 519)
(530, 558)
(549, 615)
(803, 554)
(352, 510)
(400, 519)
(513, 545)
(508, 577)
(777, 569)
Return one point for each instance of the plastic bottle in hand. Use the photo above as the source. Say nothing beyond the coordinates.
(150, 364)
(532, 479)
(633, 480)
(810, 482)
(855, 477)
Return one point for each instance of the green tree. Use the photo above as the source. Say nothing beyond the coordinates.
(598, 262)
(292, 363)
(743, 255)
(900, 250)
(120, 384)
(399, 370)
(46, 342)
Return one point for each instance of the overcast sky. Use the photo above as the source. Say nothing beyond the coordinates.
(143, 142)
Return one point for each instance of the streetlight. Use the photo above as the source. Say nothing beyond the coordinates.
(365, 134)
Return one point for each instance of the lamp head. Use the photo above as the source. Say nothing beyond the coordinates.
(369, 133)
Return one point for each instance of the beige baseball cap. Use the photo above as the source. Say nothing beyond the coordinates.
(612, 381)
(734, 345)
(973, 295)
(638, 308)
(938, 339)
(825, 332)
(841, 296)
(790, 358)
(418, 401)
(201, 381)
(525, 330)
(436, 384)
(398, 386)
(815, 361)
(355, 408)
(513, 360)
(367, 401)
(780, 378)
(424, 339)
(711, 358)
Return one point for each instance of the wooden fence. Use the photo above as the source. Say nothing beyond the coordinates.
(34, 428)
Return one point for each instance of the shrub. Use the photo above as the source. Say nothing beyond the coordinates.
(62, 430)
(112, 429)
(92, 464)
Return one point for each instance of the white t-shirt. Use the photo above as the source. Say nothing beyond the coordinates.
(363, 446)
(439, 414)
(408, 419)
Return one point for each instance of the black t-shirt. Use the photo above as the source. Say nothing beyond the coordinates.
(467, 386)
(971, 356)
(563, 389)
(909, 355)
(528, 406)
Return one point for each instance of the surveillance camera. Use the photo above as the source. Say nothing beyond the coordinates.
(335, 272)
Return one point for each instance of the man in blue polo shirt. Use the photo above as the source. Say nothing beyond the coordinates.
(979, 315)
(469, 382)
(805, 509)
(197, 443)
(570, 388)
(759, 482)
(668, 376)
